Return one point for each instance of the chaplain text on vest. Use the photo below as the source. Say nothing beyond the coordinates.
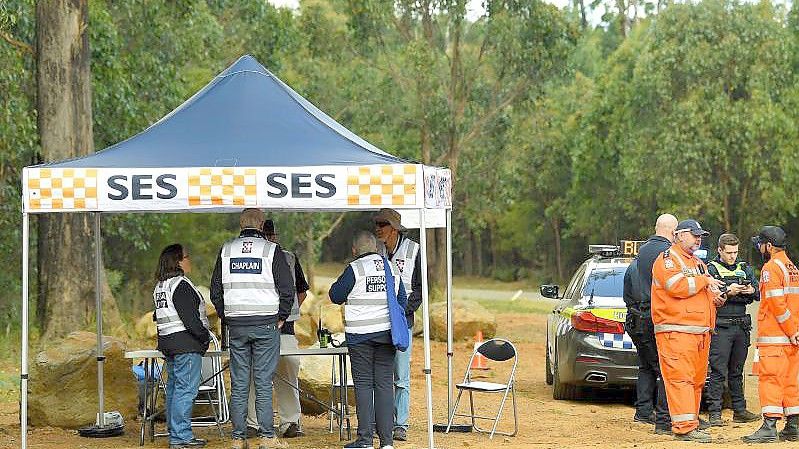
(249, 265)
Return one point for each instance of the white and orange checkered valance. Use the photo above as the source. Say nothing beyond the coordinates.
(367, 187)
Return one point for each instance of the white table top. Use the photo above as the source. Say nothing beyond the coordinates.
(154, 353)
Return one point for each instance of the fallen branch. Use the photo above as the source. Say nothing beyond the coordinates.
(26, 48)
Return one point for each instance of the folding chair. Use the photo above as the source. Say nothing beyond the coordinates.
(498, 350)
(212, 392)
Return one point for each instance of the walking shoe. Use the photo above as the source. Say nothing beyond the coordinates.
(703, 425)
(695, 435)
(714, 418)
(271, 443)
(292, 431)
(662, 430)
(358, 444)
(791, 430)
(744, 416)
(238, 444)
(649, 419)
(767, 433)
(400, 434)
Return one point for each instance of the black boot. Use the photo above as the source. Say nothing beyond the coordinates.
(791, 430)
(714, 418)
(767, 433)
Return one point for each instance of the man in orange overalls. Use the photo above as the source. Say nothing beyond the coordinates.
(777, 339)
(684, 300)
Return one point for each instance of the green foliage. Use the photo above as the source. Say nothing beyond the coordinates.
(559, 134)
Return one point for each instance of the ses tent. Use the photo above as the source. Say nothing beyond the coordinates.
(245, 140)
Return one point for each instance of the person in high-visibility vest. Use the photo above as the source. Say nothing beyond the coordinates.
(777, 339)
(684, 300)
(183, 338)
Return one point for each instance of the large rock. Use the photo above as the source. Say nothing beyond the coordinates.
(63, 386)
(332, 314)
(314, 378)
(468, 316)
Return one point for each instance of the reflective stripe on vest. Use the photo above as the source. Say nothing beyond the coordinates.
(685, 271)
(166, 315)
(366, 309)
(685, 328)
(247, 281)
(295, 306)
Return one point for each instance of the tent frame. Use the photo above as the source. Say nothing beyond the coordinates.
(24, 374)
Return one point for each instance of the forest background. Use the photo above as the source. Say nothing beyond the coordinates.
(560, 131)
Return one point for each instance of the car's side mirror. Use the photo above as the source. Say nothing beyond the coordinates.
(549, 291)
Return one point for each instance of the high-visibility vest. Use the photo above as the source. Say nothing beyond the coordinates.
(247, 280)
(291, 258)
(778, 313)
(729, 276)
(166, 315)
(404, 259)
(366, 309)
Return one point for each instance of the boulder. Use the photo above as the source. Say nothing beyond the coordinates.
(314, 378)
(468, 316)
(332, 314)
(305, 331)
(63, 386)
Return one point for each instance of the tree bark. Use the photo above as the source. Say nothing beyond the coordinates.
(65, 250)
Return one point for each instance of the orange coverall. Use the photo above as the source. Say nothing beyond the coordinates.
(777, 320)
(683, 314)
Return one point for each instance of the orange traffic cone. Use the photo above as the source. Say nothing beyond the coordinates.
(478, 361)
(756, 363)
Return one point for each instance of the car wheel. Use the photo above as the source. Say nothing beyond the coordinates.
(560, 390)
(549, 377)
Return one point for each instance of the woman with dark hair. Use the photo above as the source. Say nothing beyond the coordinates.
(183, 338)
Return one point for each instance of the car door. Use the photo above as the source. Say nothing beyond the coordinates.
(557, 323)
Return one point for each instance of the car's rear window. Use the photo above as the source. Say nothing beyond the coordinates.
(605, 282)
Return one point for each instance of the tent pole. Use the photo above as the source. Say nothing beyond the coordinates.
(98, 266)
(23, 382)
(426, 318)
(449, 312)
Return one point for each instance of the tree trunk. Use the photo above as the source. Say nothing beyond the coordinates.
(558, 258)
(468, 246)
(65, 250)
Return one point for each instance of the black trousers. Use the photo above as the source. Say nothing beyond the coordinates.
(650, 391)
(728, 349)
(373, 376)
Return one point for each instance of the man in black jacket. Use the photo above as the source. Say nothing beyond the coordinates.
(729, 345)
(650, 389)
(253, 291)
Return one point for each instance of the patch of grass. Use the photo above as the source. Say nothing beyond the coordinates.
(478, 282)
(520, 306)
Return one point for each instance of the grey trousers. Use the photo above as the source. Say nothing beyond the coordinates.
(373, 376)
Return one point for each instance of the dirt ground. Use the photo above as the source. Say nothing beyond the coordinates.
(602, 420)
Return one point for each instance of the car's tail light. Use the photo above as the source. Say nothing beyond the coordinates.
(588, 322)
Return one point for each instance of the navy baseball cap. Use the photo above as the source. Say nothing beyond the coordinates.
(771, 234)
(691, 226)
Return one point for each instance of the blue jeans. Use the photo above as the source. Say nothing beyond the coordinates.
(255, 348)
(402, 384)
(183, 371)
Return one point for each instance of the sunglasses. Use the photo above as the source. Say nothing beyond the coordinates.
(382, 224)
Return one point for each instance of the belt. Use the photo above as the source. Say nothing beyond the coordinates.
(741, 320)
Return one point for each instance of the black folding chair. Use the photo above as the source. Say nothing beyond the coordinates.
(497, 350)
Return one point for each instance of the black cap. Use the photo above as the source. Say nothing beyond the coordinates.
(691, 226)
(771, 234)
(269, 227)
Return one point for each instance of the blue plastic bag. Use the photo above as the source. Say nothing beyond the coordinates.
(396, 313)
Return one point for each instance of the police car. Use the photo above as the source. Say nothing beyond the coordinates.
(586, 342)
